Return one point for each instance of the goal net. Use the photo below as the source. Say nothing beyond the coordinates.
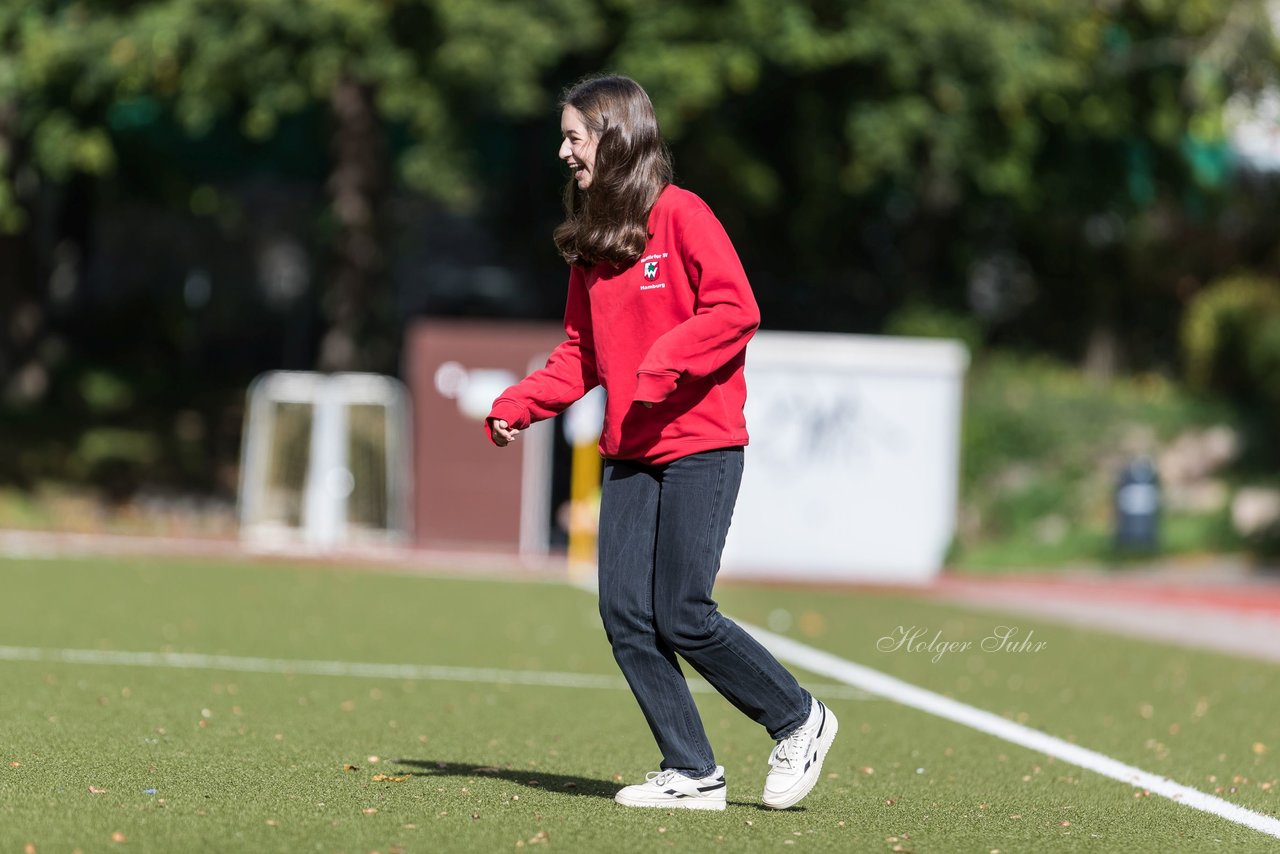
(325, 462)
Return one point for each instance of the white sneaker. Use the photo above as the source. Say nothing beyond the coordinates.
(797, 760)
(672, 789)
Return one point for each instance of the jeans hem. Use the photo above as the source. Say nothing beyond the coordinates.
(790, 729)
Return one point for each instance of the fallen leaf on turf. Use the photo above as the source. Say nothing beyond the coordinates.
(812, 623)
(487, 769)
(347, 766)
(1064, 823)
(119, 837)
(540, 837)
(868, 770)
(271, 822)
(369, 810)
(29, 849)
(1259, 748)
(94, 790)
(15, 764)
(388, 778)
(475, 816)
(569, 786)
(662, 830)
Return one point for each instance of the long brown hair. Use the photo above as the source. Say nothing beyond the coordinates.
(609, 221)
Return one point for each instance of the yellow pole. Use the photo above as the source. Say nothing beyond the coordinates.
(584, 509)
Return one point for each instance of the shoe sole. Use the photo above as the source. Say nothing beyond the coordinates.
(675, 803)
(811, 779)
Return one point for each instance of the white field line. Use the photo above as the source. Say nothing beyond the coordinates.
(881, 684)
(303, 667)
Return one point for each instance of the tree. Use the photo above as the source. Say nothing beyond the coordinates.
(1045, 154)
(1022, 158)
(421, 68)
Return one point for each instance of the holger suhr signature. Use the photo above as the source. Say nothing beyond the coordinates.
(917, 639)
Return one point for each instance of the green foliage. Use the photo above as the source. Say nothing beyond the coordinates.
(104, 392)
(106, 444)
(965, 94)
(961, 92)
(431, 62)
(924, 321)
(1231, 337)
(1042, 448)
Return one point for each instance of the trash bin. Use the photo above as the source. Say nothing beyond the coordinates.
(1137, 506)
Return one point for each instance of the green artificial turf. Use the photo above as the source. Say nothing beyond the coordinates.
(1202, 719)
(169, 759)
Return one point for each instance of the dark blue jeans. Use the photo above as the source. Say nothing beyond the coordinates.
(662, 529)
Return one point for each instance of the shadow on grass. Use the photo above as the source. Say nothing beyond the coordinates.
(561, 784)
(564, 784)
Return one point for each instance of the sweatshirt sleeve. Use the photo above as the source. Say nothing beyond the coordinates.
(570, 371)
(725, 318)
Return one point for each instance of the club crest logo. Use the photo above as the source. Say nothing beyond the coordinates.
(651, 270)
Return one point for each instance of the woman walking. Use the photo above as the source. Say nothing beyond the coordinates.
(659, 313)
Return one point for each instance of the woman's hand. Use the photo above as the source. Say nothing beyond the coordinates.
(503, 434)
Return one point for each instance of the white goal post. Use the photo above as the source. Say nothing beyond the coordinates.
(325, 462)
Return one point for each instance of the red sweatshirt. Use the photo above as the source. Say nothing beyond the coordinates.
(671, 329)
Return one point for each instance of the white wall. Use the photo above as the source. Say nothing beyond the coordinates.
(854, 458)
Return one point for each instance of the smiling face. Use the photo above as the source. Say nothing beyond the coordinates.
(578, 149)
